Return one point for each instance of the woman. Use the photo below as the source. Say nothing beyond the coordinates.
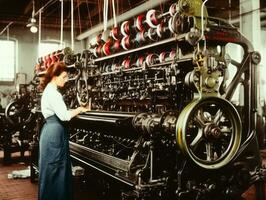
(54, 161)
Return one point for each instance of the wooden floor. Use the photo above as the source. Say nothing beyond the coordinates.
(23, 189)
(16, 189)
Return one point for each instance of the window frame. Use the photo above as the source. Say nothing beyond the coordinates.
(11, 82)
(49, 42)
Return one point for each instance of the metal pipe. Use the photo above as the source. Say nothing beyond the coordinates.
(7, 33)
(172, 39)
(72, 25)
(202, 18)
(62, 24)
(40, 32)
(98, 119)
(151, 164)
(132, 12)
(49, 2)
(111, 114)
(6, 28)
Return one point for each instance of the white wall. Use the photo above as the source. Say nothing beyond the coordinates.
(27, 52)
(262, 66)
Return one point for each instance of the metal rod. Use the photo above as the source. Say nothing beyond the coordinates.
(72, 25)
(111, 114)
(49, 2)
(98, 119)
(7, 33)
(172, 39)
(62, 24)
(202, 19)
(114, 14)
(6, 28)
(40, 32)
(151, 160)
(230, 11)
(232, 86)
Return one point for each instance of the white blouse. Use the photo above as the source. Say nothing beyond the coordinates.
(52, 103)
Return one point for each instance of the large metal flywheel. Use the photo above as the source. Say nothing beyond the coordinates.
(18, 113)
(209, 132)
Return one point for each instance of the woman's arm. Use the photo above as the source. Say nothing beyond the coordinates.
(59, 107)
(78, 110)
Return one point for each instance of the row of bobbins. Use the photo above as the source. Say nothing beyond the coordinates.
(145, 28)
(44, 62)
(147, 61)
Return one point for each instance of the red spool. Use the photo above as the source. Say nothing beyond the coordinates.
(150, 59)
(116, 46)
(111, 47)
(107, 48)
(115, 34)
(97, 51)
(162, 57)
(140, 61)
(160, 29)
(44, 65)
(172, 54)
(48, 60)
(126, 42)
(140, 22)
(126, 63)
(53, 58)
(152, 18)
(125, 28)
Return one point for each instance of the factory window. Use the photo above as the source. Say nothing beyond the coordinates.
(48, 47)
(7, 60)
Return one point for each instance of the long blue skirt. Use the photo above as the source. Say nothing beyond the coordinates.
(55, 178)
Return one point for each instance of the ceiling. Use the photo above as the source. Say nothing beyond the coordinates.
(88, 13)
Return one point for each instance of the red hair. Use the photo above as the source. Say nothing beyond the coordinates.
(54, 70)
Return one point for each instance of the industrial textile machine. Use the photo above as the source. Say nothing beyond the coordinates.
(173, 107)
(173, 112)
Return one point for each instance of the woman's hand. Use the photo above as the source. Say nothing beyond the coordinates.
(79, 110)
(83, 109)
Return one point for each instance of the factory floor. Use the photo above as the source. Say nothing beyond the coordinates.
(23, 189)
(16, 189)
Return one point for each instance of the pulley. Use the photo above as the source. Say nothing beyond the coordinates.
(18, 113)
(209, 132)
(115, 33)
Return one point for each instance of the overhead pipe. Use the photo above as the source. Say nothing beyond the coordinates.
(132, 12)
(43, 7)
(7, 26)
